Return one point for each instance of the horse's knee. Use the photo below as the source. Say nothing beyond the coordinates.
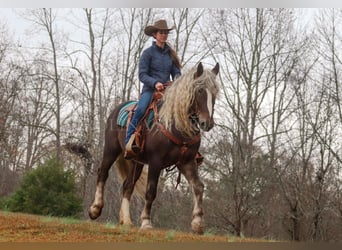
(199, 187)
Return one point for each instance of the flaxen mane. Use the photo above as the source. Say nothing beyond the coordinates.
(179, 97)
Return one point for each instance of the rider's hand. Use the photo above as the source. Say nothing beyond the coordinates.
(159, 86)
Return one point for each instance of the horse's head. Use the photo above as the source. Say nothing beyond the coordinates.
(202, 109)
(191, 96)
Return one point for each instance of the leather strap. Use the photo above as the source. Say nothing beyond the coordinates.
(185, 144)
(177, 141)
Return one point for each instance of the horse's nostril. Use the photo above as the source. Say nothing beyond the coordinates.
(203, 125)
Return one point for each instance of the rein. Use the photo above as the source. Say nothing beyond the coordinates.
(184, 144)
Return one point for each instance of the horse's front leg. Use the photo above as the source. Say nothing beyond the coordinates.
(190, 171)
(151, 192)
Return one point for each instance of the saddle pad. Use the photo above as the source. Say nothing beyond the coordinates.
(123, 114)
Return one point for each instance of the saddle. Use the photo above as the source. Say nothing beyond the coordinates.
(136, 144)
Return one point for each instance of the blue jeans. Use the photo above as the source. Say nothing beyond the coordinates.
(143, 103)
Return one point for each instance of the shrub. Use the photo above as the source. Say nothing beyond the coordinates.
(47, 190)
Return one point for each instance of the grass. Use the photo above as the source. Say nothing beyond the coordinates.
(18, 227)
(170, 235)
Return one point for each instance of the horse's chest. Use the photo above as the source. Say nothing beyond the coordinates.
(182, 154)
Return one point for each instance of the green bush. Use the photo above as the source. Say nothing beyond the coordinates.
(46, 190)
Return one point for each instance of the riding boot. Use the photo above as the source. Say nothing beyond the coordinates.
(131, 149)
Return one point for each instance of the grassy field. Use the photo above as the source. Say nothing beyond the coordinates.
(17, 227)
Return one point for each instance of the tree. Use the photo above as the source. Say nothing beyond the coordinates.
(187, 39)
(133, 21)
(325, 122)
(255, 53)
(47, 190)
(10, 130)
(45, 18)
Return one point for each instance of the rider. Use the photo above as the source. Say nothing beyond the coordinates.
(157, 63)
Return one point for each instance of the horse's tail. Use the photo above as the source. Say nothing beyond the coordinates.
(122, 166)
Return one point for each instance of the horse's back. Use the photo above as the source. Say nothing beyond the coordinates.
(118, 111)
(123, 113)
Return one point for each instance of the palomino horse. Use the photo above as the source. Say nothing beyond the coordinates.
(188, 107)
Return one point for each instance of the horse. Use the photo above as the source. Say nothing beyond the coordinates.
(173, 140)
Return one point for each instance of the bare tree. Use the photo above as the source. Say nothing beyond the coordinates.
(187, 41)
(26, 116)
(259, 52)
(46, 20)
(329, 116)
(133, 22)
(10, 131)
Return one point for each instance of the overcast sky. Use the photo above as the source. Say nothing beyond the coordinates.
(172, 4)
(9, 17)
(18, 25)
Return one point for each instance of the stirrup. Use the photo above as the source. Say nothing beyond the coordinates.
(131, 149)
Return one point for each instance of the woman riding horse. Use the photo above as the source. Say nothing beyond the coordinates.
(156, 64)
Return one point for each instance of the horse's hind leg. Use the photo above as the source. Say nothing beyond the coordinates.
(190, 171)
(109, 156)
(128, 188)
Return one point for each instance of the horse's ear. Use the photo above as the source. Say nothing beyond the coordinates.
(199, 71)
(216, 69)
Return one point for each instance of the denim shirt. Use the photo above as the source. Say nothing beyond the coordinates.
(156, 65)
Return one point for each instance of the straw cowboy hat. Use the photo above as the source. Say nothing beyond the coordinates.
(158, 25)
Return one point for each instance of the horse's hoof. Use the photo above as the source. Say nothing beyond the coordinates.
(197, 225)
(94, 212)
(126, 222)
(146, 224)
(197, 228)
(146, 227)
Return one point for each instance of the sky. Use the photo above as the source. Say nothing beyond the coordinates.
(173, 3)
(9, 17)
(18, 25)
(22, 29)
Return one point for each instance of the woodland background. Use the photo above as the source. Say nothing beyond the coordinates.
(273, 160)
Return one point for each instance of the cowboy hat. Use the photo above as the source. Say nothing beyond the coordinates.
(158, 25)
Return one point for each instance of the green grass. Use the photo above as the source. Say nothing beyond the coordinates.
(170, 235)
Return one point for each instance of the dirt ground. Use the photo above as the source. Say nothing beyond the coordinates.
(17, 227)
